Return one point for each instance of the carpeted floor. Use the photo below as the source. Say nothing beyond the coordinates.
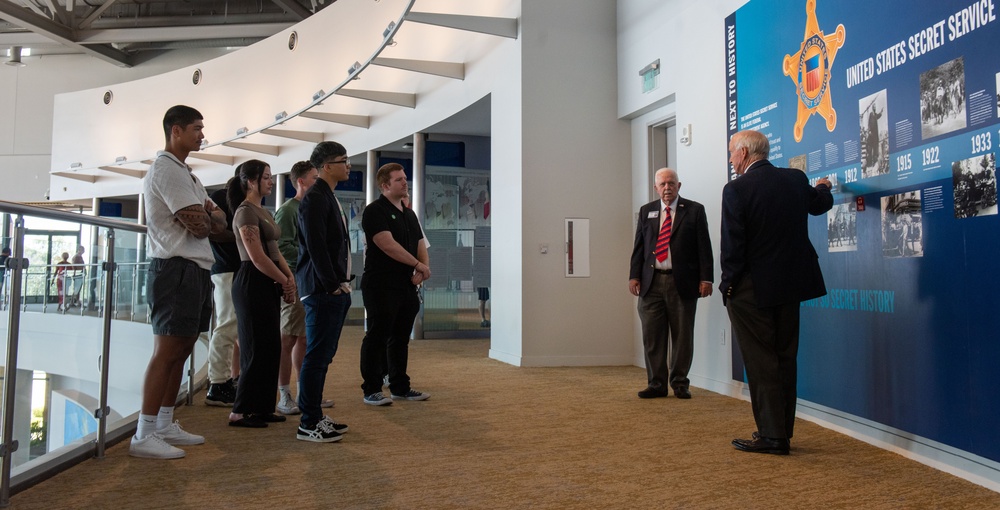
(497, 436)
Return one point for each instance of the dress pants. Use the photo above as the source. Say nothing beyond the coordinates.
(257, 299)
(325, 316)
(385, 349)
(768, 338)
(667, 334)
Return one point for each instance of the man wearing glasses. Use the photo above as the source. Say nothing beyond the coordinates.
(671, 268)
(323, 278)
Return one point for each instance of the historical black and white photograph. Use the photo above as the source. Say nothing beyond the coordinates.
(799, 162)
(902, 233)
(975, 186)
(874, 121)
(942, 99)
(842, 227)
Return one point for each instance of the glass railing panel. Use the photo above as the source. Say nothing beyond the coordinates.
(60, 335)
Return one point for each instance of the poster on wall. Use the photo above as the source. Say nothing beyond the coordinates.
(899, 105)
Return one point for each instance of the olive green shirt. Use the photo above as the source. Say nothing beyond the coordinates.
(287, 217)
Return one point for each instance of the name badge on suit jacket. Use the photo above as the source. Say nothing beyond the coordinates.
(653, 214)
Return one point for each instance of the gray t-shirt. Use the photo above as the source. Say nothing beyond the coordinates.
(168, 187)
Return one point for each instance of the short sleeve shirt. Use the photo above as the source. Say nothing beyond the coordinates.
(168, 187)
(381, 270)
(251, 215)
(287, 217)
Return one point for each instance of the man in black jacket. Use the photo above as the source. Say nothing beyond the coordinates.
(323, 278)
(671, 268)
(768, 267)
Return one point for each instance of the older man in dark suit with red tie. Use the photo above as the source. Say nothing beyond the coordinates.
(768, 267)
(671, 268)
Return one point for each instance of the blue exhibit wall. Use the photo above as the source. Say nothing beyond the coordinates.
(897, 102)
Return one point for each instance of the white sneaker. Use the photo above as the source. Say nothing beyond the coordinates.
(153, 447)
(173, 434)
(286, 405)
(326, 403)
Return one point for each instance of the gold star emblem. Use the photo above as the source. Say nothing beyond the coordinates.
(809, 69)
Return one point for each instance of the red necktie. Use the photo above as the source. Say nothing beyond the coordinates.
(663, 241)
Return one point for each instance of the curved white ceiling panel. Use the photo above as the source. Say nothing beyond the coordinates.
(360, 70)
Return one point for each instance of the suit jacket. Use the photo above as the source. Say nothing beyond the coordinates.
(324, 243)
(765, 233)
(690, 247)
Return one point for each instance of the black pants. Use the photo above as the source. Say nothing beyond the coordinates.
(769, 342)
(385, 348)
(257, 299)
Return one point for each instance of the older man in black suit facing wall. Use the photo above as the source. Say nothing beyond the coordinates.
(671, 268)
(768, 267)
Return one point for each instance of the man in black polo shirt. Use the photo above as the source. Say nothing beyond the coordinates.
(396, 262)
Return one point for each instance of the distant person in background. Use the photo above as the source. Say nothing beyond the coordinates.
(76, 277)
(61, 268)
(484, 296)
(259, 286)
(4, 255)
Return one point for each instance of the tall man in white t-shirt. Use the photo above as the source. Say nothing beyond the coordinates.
(180, 217)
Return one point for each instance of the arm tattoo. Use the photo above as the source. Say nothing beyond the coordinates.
(250, 235)
(195, 220)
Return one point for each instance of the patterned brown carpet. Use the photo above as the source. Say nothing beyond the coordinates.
(497, 436)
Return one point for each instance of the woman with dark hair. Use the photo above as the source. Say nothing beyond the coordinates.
(258, 286)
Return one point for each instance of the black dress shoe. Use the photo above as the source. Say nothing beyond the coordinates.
(248, 421)
(682, 393)
(652, 393)
(270, 418)
(762, 445)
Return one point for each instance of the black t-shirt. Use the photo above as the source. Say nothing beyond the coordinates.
(227, 255)
(381, 270)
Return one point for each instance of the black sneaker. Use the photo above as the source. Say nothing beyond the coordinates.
(321, 432)
(340, 428)
(220, 395)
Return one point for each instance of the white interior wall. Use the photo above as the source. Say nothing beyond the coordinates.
(27, 102)
(575, 164)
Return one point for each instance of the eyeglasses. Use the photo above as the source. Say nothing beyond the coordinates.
(346, 162)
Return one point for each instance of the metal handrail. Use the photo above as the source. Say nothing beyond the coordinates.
(54, 214)
(17, 264)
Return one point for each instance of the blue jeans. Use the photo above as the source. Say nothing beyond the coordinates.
(325, 314)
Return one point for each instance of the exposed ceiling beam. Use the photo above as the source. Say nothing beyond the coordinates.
(305, 136)
(394, 98)
(503, 27)
(96, 14)
(362, 121)
(293, 7)
(79, 177)
(189, 33)
(131, 172)
(272, 150)
(214, 158)
(59, 11)
(59, 33)
(446, 69)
